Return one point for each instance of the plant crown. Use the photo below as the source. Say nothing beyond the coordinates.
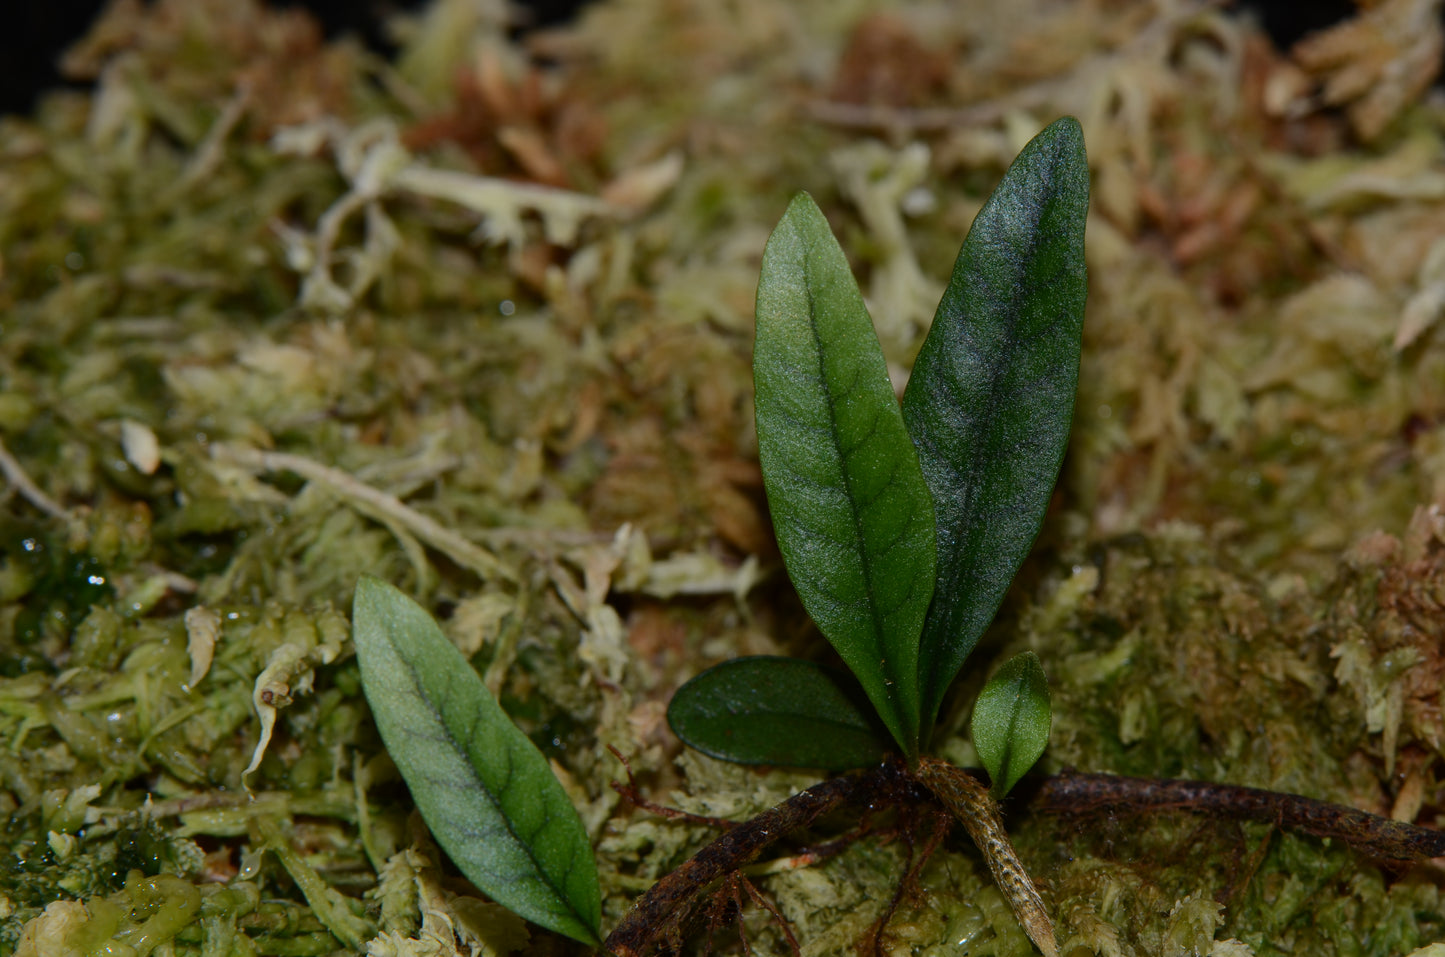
(902, 528)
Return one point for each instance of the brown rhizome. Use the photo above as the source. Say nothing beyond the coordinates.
(658, 921)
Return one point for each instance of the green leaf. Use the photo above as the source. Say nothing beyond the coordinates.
(991, 397)
(485, 791)
(770, 710)
(852, 513)
(1011, 721)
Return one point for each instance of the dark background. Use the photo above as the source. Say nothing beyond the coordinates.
(36, 31)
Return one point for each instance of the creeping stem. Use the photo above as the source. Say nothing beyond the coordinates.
(661, 909)
(1371, 835)
(660, 914)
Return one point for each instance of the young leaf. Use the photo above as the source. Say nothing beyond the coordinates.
(991, 397)
(483, 788)
(1011, 721)
(771, 710)
(849, 504)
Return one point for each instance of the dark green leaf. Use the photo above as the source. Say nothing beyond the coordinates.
(991, 397)
(852, 513)
(769, 710)
(485, 791)
(1011, 721)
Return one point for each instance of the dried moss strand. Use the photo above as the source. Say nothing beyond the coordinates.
(211, 152)
(1370, 834)
(971, 804)
(367, 498)
(874, 116)
(21, 482)
(659, 910)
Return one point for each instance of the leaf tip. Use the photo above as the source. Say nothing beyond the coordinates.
(1064, 136)
(368, 589)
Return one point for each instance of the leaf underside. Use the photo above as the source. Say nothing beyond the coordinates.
(779, 711)
(485, 791)
(852, 513)
(991, 398)
(1011, 721)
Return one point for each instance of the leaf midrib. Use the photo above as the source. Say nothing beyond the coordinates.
(971, 530)
(827, 384)
(412, 675)
(1012, 348)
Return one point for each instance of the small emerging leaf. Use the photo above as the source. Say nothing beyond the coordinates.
(850, 507)
(485, 791)
(1011, 721)
(991, 397)
(770, 710)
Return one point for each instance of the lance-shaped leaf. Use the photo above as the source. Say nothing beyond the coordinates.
(851, 510)
(1011, 721)
(483, 788)
(991, 397)
(771, 710)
